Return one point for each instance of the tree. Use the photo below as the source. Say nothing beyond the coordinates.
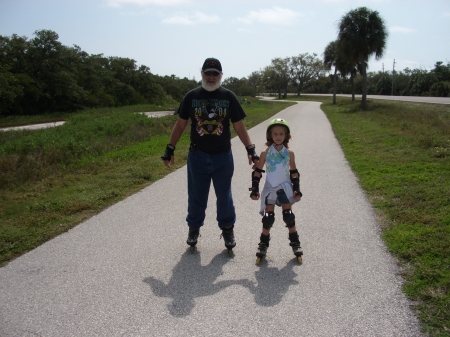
(330, 59)
(441, 71)
(9, 89)
(349, 67)
(304, 68)
(255, 81)
(362, 33)
(281, 74)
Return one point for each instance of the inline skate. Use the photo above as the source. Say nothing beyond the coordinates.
(228, 238)
(262, 248)
(296, 248)
(192, 239)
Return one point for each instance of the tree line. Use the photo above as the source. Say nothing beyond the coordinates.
(41, 75)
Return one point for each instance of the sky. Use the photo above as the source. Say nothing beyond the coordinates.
(174, 37)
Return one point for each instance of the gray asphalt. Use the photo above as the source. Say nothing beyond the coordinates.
(416, 99)
(127, 271)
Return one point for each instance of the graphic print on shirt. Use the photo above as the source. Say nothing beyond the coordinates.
(277, 166)
(275, 158)
(209, 114)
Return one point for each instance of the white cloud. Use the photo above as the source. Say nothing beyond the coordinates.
(275, 15)
(118, 3)
(178, 20)
(398, 29)
(185, 19)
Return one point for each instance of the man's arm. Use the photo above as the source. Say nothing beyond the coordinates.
(177, 131)
(242, 133)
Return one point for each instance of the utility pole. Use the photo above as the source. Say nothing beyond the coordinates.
(393, 71)
(383, 68)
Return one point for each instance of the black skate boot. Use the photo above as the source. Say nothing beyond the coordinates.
(192, 239)
(262, 248)
(296, 248)
(228, 238)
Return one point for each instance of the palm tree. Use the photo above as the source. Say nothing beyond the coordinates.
(330, 57)
(362, 33)
(348, 67)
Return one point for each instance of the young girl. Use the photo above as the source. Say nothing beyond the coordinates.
(282, 186)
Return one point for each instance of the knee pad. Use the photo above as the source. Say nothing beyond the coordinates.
(268, 220)
(289, 218)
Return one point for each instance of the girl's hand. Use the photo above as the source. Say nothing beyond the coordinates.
(255, 197)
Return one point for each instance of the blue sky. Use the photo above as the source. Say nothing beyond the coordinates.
(175, 36)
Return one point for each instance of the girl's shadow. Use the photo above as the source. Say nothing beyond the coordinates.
(190, 280)
(272, 283)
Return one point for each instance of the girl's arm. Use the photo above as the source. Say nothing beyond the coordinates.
(295, 176)
(260, 164)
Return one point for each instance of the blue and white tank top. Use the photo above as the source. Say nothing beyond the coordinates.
(277, 166)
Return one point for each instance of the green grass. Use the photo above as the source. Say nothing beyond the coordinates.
(53, 179)
(400, 153)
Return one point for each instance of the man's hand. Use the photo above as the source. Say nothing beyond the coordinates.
(168, 156)
(252, 156)
(255, 196)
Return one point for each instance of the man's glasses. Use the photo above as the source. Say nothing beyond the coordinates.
(211, 73)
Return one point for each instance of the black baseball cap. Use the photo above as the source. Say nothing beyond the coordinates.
(212, 64)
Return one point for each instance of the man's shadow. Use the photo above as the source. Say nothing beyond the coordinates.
(190, 280)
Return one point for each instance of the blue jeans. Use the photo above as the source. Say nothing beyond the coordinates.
(201, 169)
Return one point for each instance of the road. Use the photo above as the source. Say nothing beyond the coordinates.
(127, 271)
(417, 99)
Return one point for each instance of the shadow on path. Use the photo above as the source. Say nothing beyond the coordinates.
(191, 280)
(272, 283)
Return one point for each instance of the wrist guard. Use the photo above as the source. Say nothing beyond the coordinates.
(170, 149)
(255, 182)
(251, 151)
(295, 181)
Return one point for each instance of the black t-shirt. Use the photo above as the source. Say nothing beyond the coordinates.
(210, 114)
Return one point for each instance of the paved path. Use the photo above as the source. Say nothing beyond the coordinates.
(53, 124)
(34, 126)
(127, 271)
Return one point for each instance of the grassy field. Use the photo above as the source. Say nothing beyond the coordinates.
(51, 180)
(401, 154)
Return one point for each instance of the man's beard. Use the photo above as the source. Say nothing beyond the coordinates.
(211, 87)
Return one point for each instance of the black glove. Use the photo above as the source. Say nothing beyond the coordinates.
(251, 151)
(295, 182)
(170, 149)
(255, 182)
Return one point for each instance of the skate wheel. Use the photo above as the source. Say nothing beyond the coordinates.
(299, 260)
(258, 260)
(230, 252)
(192, 249)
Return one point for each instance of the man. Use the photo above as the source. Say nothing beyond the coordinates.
(211, 108)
